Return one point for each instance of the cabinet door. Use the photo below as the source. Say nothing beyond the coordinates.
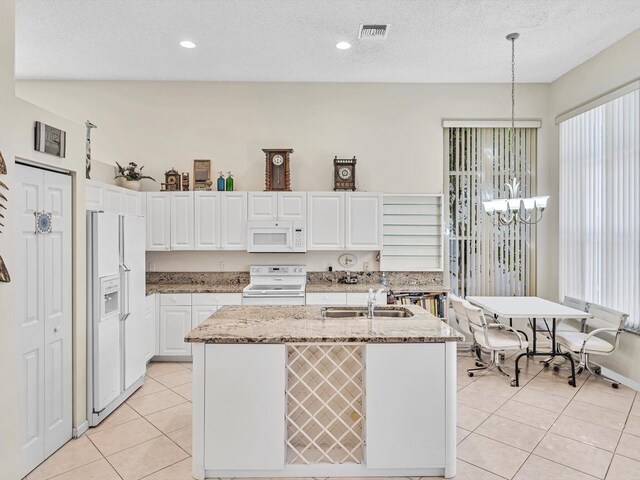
(325, 224)
(406, 405)
(363, 221)
(359, 299)
(151, 322)
(181, 220)
(240, 432)
(292, 206)
(94, 195)
(262, 206)
(132, 202)
(200, 313)
(207, 221)
(326, 298)
(113, 199)
(233, 216)
(175, 323)
(158, 218)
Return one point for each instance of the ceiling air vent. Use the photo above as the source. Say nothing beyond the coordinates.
(373, 31)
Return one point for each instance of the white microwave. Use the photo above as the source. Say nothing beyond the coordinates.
(277, 237)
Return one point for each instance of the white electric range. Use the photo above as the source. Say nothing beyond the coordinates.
(276, 285)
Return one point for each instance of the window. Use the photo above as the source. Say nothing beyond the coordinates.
(486, 259)
(600, 205)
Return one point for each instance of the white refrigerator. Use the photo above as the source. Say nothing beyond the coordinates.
(116, 334)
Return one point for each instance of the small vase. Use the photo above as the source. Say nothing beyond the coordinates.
(131, 184)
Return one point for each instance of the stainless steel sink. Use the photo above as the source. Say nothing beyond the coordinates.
(384, 312)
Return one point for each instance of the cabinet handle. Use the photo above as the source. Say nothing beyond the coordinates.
(56, 329)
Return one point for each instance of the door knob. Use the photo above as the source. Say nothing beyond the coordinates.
(56, 329)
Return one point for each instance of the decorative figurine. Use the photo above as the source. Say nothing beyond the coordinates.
(344, 173)
(87, 162)
(221, 183)
(185, 181)
(277, 169)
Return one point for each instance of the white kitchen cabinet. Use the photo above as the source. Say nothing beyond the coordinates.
(326, 298)
(233, 220)
(207, 220)
(405, 421)
(292, 206)
(199, 313)
(262, 206)
(181, 221)
(104, 197)
(219, 299)
(150, 321)
(94, 195)
(363, 214)
(359, 299)
(132, 202)
(113, 199)
(174, 325)
(158, 218)
(241, 433)
(325, 222)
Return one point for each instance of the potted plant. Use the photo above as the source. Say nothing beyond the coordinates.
(130, 176)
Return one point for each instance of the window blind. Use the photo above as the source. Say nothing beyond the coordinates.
(600, 206)
(485, 259)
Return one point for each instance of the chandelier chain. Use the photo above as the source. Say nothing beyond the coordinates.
(513, 96)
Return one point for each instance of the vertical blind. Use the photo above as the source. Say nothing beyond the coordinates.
(486, 259)
(600, 206)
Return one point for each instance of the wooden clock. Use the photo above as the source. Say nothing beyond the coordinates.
(171, 180)
(277, 174)
(344, 173)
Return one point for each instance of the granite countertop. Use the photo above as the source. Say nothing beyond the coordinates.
(194, 288)
(304, 324)
(327, 287)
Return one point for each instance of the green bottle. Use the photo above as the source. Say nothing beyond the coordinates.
(229, 182)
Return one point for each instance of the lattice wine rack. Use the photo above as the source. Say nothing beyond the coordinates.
(325, 397)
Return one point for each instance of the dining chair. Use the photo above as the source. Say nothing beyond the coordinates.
(600, 337)
(564, 325)
(495, 337)
(457, 304)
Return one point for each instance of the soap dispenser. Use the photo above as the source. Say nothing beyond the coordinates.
(229, 182)
(383, 280)
(221, 183)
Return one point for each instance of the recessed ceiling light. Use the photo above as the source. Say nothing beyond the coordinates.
(343, 45)
(187, 44)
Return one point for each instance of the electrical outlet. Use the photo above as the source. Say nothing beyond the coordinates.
(152, 266)
(222, 266)
(365, 266)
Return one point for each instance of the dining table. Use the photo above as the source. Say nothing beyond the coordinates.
(534, 310)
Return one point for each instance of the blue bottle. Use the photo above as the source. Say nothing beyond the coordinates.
(221, 183)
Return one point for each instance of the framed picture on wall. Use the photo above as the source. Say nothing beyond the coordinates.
(50, 140)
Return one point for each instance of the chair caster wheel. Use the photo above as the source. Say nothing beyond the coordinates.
(615, 385)
(478, 364)
(556, 368)
(545, 364)
(513, 383)
(519, 371)
(572, 383)
(502, 357)
(470, 374)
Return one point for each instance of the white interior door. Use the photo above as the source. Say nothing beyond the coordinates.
(43, 313)
(135, 332)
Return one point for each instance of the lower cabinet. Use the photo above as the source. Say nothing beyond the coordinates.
(245, 407)
(150, 324)
(355, 299)
(199, 313)
(175, 324)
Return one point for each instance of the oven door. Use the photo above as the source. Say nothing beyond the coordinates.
(270, 237)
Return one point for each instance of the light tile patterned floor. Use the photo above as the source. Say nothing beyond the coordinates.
(543, 430)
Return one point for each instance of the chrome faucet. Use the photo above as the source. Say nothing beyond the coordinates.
(371, 301)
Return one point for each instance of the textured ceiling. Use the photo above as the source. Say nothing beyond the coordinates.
(429, 41)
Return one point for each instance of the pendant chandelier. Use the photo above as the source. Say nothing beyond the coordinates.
(515, 209)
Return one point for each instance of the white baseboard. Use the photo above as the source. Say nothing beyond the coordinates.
(627, 382)
(80, 429)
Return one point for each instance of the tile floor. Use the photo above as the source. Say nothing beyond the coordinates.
(543, 430)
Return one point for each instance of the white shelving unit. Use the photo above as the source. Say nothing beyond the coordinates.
(412, 232)
(325, 397)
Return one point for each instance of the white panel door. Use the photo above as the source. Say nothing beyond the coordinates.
(233, 220)
(207, 220)
(325, 223)
(113, 199)
(43, 313)
(292, 206)
(242, 432)
(262, 206)
(135, 327)
(199, 313)
(182, 220)
(405, 405)
(363, 221)
(158, 218)
(175, 323)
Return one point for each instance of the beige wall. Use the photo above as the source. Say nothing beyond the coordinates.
(395, 130)
(16, 140)
(611, 69)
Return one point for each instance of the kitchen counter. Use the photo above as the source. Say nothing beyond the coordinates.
(304, 324)
(194, 288)
(328, 287)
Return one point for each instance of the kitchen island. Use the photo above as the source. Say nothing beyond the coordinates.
(305, 391)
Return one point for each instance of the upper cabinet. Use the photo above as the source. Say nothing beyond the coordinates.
(207, 221)
(233, 221)
(108, 198)
(182, 220)
(344, 221)
(158, 219)
(272, 206)
(363, 215)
